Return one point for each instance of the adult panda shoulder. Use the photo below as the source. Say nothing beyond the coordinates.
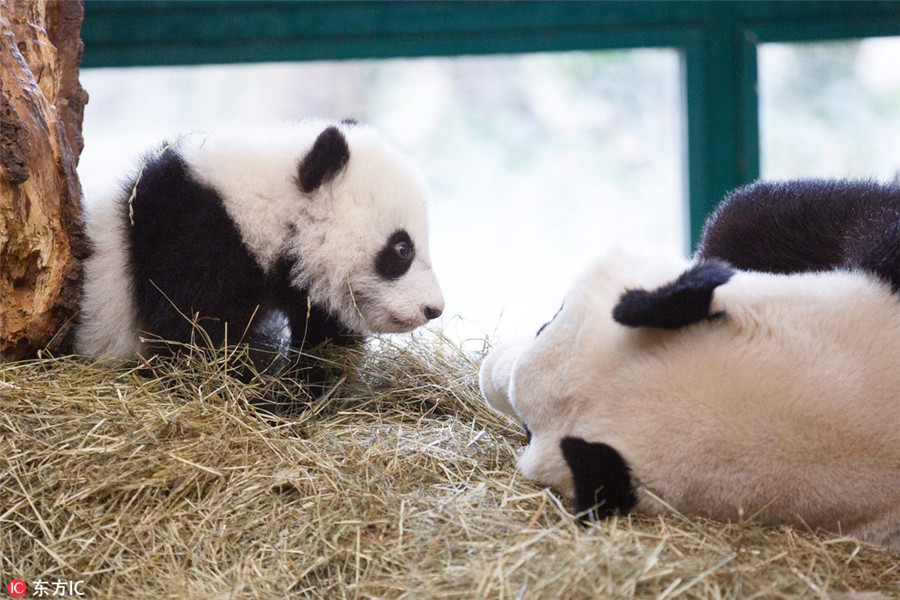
(808, 225)
(319, 226)
(720, 393)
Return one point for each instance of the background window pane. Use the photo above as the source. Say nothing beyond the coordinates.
(830, 109)
(537, 162)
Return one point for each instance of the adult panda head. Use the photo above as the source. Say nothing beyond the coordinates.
(558, 383)
(336, 206)
(719, 393)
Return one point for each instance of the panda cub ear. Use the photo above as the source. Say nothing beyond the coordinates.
(324, 161)
(677, 304)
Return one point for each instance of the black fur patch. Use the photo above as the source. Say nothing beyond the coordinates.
(682, 302)
(808, 225)
(186, 255)
(602, 478)
(327, 157)
(188, 262)
(878, 253)
(395, 258)
(311, 325)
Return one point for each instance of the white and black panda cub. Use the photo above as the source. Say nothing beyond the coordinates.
(808, 225)
(720, 393)
(319, 225)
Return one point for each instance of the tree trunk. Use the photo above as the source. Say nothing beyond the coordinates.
(41, 238)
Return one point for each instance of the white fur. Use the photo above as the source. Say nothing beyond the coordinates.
(107, 328)
(334, 233)
(787, 409)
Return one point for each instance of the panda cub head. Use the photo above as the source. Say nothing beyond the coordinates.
(342, 211)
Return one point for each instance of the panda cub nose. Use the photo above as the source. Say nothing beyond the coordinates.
(432, 312)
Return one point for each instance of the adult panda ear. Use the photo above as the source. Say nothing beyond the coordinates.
(682, 302)
(601, 476)
(329, 154)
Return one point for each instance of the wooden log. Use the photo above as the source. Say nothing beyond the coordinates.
(41, 238)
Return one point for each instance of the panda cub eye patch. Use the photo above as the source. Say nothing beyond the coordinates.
(396, 256)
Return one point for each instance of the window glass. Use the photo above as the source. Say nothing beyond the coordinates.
(830, 109)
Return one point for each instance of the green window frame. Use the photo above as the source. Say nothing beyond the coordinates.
(716, 40)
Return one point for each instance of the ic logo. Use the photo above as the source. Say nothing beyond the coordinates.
(16, 588)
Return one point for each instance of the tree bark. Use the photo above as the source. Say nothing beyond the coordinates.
(41, 238)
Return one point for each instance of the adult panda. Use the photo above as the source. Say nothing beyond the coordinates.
(808, 225)
(720, 393)
(300, 233)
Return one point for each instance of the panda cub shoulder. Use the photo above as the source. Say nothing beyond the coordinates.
(319, 227)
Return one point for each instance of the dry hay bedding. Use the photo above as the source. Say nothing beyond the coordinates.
(400, 484)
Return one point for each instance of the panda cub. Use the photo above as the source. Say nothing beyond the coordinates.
(808, 225)
(720, 393)
(296, 233)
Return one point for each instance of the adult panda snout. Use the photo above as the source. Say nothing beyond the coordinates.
(494, 378)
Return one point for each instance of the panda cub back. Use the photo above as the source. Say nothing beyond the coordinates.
(321, 227)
